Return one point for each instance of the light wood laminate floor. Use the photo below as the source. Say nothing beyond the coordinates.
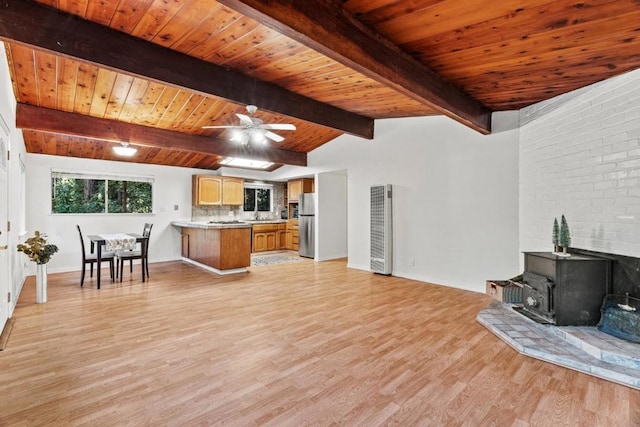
(284, 345)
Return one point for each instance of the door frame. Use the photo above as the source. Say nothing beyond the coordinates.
(4, 236)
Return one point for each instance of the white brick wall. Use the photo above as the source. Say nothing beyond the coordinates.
(580, 155)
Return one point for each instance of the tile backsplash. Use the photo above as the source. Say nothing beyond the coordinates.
(214, 213)
(226, 213)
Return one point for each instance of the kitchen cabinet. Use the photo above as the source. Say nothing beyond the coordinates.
(288, 239)
(271, 241)
(232, 191)
(281, 237)
(272, 237)
(292, 227)
(206, 190)
(297, 186)
(225, 249)
(264, 241)
(211, 190)
(266, 237)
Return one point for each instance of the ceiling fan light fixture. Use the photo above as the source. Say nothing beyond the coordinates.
(253, 130)
(238, 135)
(257, 136)
(124, 150)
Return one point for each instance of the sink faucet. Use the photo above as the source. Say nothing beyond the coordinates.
(256, 215)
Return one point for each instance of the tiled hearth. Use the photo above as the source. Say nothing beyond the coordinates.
(580, 348)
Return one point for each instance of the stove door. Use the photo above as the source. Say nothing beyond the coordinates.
(537, 297)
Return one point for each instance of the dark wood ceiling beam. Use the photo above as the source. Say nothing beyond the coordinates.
(40, 119)
(327, 28)
(37, 26)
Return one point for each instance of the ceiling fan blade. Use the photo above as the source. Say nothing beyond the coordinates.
(273, 136)
(245, 119)
(222, 127)
(279, 126)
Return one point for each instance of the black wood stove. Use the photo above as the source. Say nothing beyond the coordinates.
(565, 290)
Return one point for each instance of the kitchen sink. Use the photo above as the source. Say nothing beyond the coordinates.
(227, 222)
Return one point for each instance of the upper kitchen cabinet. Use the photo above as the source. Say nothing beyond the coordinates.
(211, 190)
(297, 186)
(206, 190)
(232, 191)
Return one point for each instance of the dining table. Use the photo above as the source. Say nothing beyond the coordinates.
(118, 241)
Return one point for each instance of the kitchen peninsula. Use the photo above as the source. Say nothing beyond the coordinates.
(221, 247)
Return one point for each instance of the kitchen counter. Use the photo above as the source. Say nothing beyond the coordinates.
(223, 248)
(211, 224)
(265, 221)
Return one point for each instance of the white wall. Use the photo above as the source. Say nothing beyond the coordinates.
(580, 155)
(16, 202)
(331, 217)
(172, 187)
(455, 207)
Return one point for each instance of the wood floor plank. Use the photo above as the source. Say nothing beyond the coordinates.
(291, 344)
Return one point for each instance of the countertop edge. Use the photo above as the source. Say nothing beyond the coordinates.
(207, 226)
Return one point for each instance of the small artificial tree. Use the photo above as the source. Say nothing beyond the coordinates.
(555, 235)
(565, 236)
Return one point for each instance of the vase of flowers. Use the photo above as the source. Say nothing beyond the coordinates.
(40, 252)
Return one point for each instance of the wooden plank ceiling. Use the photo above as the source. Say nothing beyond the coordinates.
(152, 72)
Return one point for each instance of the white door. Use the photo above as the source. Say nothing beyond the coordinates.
(4, 235)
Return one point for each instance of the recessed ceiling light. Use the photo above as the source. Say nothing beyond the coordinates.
(246, 163)
(124, 149)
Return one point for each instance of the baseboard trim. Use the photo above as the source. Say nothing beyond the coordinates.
(215, 270)
(6, 331)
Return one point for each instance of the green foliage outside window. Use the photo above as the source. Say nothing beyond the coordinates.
(72, 195)
(129, 196)
(263, 201)
(249, 199)
(87, 195)
(257, 199)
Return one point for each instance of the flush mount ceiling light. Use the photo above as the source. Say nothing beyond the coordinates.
(246, 163)
(124, 150)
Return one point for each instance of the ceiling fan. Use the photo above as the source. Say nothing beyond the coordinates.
(252, 129)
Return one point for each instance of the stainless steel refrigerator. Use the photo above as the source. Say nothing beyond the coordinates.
(306, 224)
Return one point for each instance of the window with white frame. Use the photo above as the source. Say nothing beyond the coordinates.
(73, 192)
(258, 197)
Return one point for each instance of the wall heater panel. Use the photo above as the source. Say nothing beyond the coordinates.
(381, 236)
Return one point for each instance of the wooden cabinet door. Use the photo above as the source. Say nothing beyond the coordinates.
(294, 188)
(297, 186)
(259, 242)
(295, 240)
(307, 185)
(281, 237)
(288, 239)
(270, 241)
(207, 190)
(232, 191)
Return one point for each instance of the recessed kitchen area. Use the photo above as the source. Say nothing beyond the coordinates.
(232, 218)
